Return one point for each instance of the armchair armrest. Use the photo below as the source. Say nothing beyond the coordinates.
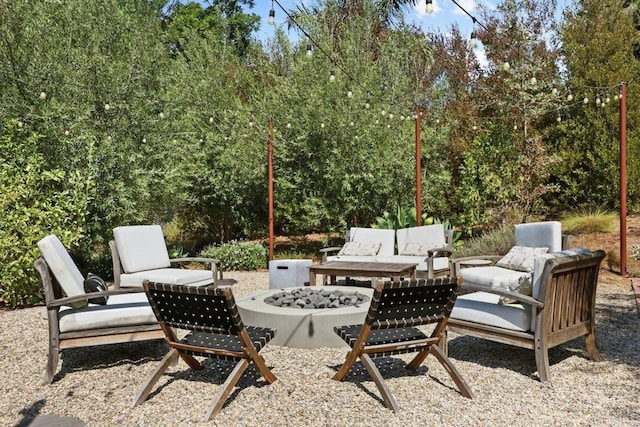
(325, 251)
(444, 251)
(457, 261)
(215, 264)
(502, 292)
(566, 241)
(85, 297)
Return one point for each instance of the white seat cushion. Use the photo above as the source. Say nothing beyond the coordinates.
(494, 277)
(171, 276)
(483, 307)
(120, 310)
(63, 268)
(141, 247)
(353, 258)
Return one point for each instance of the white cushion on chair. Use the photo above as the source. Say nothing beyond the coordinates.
(141, 247)
(540, 234)
(120, 310)
(385, 237)
(484, 308)
(494, 277)
(171, 276)
(62, 266)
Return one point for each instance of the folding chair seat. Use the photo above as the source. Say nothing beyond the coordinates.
(215, 330)
(390, 328)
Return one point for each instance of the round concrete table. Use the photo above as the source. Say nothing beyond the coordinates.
(302, 328)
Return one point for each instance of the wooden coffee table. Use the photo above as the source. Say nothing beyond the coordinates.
(361, 269)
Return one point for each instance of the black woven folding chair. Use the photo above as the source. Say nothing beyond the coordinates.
(390, 328)
(216, 331)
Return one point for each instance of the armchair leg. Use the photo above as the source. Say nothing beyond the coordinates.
(464, 388)
(225, 390)
(52, 364)
(389, 400)
(592, 347)
(146, 388)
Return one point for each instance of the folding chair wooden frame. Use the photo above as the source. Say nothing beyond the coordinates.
(390, 328)
(216, 331)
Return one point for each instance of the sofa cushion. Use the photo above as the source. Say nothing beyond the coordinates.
(171, 276)
(483, 307)
(63, 268)
(120, 310)
(360, 248)
(141, 247)
(521, 258)
(539, 234)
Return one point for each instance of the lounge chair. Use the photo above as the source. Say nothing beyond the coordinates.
(396, 309)
(74, 321)
(140, 253)
(215, 330)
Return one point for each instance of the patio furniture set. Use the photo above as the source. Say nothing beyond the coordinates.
(538, 296)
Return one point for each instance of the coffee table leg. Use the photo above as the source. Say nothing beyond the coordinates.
(312, 278)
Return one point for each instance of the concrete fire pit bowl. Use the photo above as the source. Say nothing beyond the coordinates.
(302, 328)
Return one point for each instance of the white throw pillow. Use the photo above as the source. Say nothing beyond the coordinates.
(524, 285)
(521, 258)
(360, 249)
(417, 249)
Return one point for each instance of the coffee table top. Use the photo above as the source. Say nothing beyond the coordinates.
(390, 268)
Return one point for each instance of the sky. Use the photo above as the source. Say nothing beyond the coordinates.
(444, 15)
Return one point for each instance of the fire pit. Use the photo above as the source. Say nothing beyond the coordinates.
(309, 298)
(305, 327)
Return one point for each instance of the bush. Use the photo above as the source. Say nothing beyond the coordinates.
(35, 201)
(596, 221)
(238, 255)
(496, 242)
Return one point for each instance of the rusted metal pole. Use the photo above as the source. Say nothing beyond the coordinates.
(623, 179)
(418, 170)
(270, 190)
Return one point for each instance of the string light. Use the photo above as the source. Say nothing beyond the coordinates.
(43, 95)
(309, 50)
(473, 40)
(586, 99)
(332, 76)
(272, 15)
(569, 96)
(429, 6)
(534, 81)
(598, 100)
(505, 64)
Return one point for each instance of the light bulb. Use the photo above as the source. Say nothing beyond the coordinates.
(383, 113)
(473, 41)
(322, 125)
(390, 115)
(402, 117)
(367, 105)
(506, 65)
(558, 119)
(288, 125)
(20, 124)
(66, 132)
(43, 95)
(429, 6)
(332, 76)
(586, 99)
(615, 97)
(534, 81)
(211, 119)
(377, 121)
(349, 94)
(598, 101)
(144, 140)
(309, 50)
(161, 114)
(570, 97)
(554, 91)
(388, 126)
(515, 127)
(607, 99)
(272, 17)
(475, 127)
(351, 123)
(107, 107)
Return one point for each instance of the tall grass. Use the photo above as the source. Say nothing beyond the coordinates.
(495, 242)
(589, 222)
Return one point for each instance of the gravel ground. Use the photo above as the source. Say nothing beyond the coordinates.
(95, 385)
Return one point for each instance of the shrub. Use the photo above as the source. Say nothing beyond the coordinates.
(35, 201)
(589, 222)
(495, 242)
(237, 255)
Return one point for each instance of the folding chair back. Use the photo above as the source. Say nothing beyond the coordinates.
(216, 331)
(397, 308)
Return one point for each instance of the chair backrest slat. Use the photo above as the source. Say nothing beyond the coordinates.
(194, 308)
(412, 303)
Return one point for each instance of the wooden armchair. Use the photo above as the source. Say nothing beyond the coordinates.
(74, 321)
(560, 309)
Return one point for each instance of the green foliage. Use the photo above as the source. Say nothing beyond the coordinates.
(594, 221)
(399, 218)
(494, 242)
(36, 200)
(237, 255)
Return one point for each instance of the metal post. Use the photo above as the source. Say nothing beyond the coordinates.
(270, 190)
(418, 170)
(623, 179)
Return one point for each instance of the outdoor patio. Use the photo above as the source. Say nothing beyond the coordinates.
(98, 384)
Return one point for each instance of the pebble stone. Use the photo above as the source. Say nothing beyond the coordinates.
(96, 385)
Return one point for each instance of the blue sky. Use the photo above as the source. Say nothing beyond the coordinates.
(445, 13)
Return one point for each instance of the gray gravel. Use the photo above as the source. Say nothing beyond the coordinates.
(96, 384)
